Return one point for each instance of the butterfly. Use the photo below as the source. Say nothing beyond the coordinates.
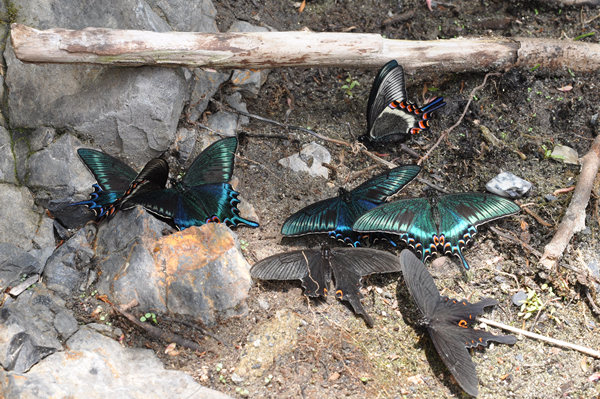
(428, 223)
(336, 215)
(448, 322)
(315, 267)
(117, 182)
(202, 195)
(390, 117)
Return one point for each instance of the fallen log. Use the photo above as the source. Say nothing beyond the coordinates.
(296, 48)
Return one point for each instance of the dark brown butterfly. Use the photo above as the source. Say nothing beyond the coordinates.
(315, 267)
(448, 322)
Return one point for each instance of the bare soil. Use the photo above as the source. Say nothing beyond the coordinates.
(329, 352)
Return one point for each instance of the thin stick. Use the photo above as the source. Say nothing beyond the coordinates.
(447, 131)
(517, 240)
(553, 341)
(18, 289)
(574, 219)
(157, 333)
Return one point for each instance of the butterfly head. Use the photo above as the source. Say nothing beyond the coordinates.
(344, 194)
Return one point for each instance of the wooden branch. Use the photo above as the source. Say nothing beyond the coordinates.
(553, 341)
(299, 48)
(574, 219)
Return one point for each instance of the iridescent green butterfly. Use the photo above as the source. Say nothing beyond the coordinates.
(427, 224)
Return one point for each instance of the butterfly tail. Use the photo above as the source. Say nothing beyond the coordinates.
(433, 105)
(99, 201)
(459, 253)
(236, 218)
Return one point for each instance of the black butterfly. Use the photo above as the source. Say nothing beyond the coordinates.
(428, 223)
(390, 117)
(315, 268)
(336, 215)
(203, 194)
(117, 182)
(448, 322)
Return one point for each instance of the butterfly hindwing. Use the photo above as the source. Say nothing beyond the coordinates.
(350, 266)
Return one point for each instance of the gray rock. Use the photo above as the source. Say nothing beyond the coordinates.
(18, 219)
(224, 123)
(204, 86)
(198, 271)
(184, 144)
(66, 268)
(15, 263)
(7, 159)
(519, 298)
(27, 332)
(310, 160)
(550, 197)
(44, 236)
(236, 102)
(40, 138)
(93, 360)
(595, 269)
(249, 82)
(57, 171)
(508, 185)
(65, 324)
(124, 110)
(186, 15)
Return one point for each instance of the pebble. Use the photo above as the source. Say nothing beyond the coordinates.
(507, 184)
(519, 298)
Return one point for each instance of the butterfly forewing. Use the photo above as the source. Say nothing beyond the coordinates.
(151, 179)
(319, 217)
(389, 85)
(110, 173)
(419, 282)
(307, 265)
(476, 208)
(379, 188)
(214, 164)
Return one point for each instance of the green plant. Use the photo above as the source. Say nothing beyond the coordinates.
(350, 84)
(547, 151)
(149, 317)
(244, 244)
(533, 305)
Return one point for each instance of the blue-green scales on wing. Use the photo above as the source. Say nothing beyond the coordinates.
(117, 182)
(445, 223)
(203, 194)
(336, 215)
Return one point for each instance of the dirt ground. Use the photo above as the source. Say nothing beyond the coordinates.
(288, 346)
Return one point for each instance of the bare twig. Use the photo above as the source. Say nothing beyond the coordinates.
(574, 219)
(517, 240)
(157, 333)
(553, 341)
(447, 131)
(361, 148)
(18, 289)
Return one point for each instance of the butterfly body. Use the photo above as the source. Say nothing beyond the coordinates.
(390, 116)
(336, 215)
(203, 194)
(448, 322)
(443, 224)
(316, 268)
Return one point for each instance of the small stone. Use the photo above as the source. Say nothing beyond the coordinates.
(65, 324)
(313, 154)
(519, 298)
(565, 154)
(236, 378)
(506, 184)
(263, 304)
(224, 123)
(550, 197)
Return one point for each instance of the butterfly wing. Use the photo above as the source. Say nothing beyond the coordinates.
(390, 116)
(308, 266)
(411, 218)
(380, 187)
(112, 175)
(213, 165)
(419, 282)
(318, 217)
(152, 178)
(195, 206)
(451, 335)
(350, 265)
(461, 213)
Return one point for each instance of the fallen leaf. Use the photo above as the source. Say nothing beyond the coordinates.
(302, 6)
(334, 376)
(565, 88)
